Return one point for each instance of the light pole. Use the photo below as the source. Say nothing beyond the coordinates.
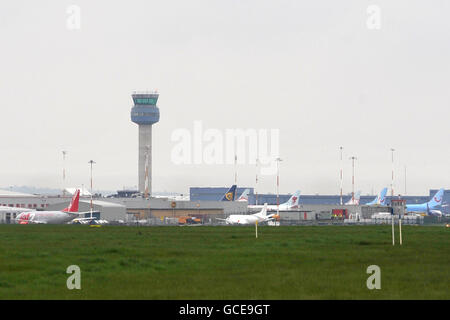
(278, 160)
(256, 185)
(91, 162)
(342, 177)
(235, 169)
(405, 180)
(64, 153)
(353, 177)
(392, 178)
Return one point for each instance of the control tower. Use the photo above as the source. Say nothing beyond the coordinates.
(145, 113)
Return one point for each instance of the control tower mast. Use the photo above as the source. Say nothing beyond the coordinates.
(145, 113)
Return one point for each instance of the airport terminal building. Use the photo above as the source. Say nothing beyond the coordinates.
(216, 193)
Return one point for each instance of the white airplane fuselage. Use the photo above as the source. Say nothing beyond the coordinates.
(243, 219)
(48, 217)
(274, 207)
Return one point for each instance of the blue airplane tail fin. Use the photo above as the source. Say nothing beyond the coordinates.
(379, 199)
(382, 197)
(230, 194)
(437, 199)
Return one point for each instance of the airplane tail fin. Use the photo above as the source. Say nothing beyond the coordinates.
(379, 199)
(437, 199)
(244, 195)
(293, 200)
(263, 212)
(230, 195)
(355, 199)
(382, 197)
(73, 207)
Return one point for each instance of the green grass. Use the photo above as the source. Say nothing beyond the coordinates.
(317, 262)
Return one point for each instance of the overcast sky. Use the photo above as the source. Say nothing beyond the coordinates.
(312, 69)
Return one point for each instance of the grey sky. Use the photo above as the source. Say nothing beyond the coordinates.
(312, 69)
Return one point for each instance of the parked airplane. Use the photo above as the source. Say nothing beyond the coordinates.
(355, 200)
(430, 206)
(230, 195)
(292, 203)
(249, 218)
(244, 195)
(380, 198)
(54, 217)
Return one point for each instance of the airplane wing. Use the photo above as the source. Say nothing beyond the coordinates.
(84, 219)
(221, 219)
(83, 213)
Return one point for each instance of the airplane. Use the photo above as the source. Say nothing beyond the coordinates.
(292, 203)
(430, 206)
(355, 201)
(230, 194)
(244, 195)
(54, 217)
(380, 198)
(249, 218)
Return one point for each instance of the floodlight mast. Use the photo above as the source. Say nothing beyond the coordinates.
(91, 162)
(256, 182)
(64, 153)
(392, 177)
(278, 160)
(341, 175)
(353, 158)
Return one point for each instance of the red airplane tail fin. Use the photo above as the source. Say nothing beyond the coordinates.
(73, 207)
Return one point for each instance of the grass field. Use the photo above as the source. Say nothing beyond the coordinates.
(318, 262)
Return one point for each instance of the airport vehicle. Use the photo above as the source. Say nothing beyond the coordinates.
(54, 217)
(244, 195)
(428, 207)
(189, 220)
(230, 195)
(292, 203)
(261, 216)
(355, 200)
(380, 199)
(339, 214)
